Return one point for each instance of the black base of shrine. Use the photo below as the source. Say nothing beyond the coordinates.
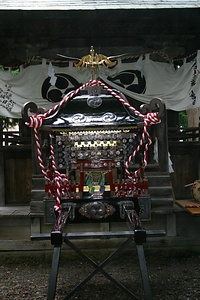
(138, 237)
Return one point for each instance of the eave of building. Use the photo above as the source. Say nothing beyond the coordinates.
(96, 5)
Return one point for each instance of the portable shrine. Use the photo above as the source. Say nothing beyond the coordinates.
(93, 156)
(96, 148)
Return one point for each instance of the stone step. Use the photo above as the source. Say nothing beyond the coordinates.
(37, 208)
(152, 167)
(38, 195)
(162, 201)
(160, 191)
(162, 210)
(158, 179)
(38, 183)
(15, 223)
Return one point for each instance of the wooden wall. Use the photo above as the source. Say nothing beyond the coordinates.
(185, 158)
(18, 175)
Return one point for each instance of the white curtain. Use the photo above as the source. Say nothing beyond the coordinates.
(143, 80)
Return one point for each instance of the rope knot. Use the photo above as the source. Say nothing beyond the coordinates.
(152, 118)
(35, 121)
(93, 82)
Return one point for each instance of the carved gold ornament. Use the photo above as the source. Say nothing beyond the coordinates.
(93, 60)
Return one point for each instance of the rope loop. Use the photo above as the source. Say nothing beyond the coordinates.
(36, 121)
(152, 118)
(149, 119)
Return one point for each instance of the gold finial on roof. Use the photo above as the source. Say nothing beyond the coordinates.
(93, 61)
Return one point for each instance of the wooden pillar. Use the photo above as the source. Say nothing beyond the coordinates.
(193, 117)
(162, 136)
(163, 151)
(1, 132)
(159, 131)
(2, 177)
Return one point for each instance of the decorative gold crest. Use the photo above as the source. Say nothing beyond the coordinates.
(96, 210)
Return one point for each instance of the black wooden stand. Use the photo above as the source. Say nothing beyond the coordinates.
(138, 237)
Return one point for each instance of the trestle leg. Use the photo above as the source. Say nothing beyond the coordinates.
(144, 272)
(54, 273)
(56, 241)
(139, 238)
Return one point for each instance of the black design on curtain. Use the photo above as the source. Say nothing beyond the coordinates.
(131, 80)
(64, 84)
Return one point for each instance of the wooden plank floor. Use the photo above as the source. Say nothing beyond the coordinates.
(14, 211)
(192, 207)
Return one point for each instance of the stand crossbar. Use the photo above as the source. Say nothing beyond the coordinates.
(136, 236)
(99, 268)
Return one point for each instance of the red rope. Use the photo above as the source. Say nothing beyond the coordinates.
(39, 154)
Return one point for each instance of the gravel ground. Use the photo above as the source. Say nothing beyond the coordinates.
(170, 277)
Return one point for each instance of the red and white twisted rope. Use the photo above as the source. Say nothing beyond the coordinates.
(39, 154)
